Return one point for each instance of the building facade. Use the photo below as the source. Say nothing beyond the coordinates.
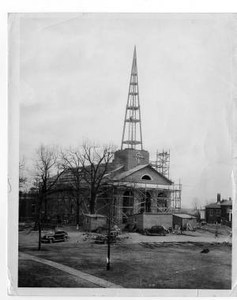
(220, 212)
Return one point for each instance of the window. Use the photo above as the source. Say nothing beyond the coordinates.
(128, 204)
(162, 201)
(146, 177)
(146, 203)
(211, 212)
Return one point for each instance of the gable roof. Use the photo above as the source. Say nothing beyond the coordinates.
(226, 203)
(125, 174)
(213, 205)
(113, 172)
(129, 172)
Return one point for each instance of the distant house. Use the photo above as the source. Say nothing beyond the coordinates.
(220, 212)
(213, 213)
(226, 210)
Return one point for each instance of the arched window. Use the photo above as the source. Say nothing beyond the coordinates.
(146, 177)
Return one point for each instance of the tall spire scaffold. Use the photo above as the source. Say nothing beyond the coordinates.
(132, 130)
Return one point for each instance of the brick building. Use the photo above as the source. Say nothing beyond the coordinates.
(213, 213)
(220, 212)
(27, 206)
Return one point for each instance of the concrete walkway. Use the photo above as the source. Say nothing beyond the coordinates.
(93, 279)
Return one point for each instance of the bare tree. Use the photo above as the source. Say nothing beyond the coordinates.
(71, 161)
(95, 162)
(195, 203)
(47, 175)
(196, 207)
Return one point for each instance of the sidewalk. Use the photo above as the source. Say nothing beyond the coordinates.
(84, 276)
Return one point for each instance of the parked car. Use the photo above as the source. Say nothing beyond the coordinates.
(53, 237)
(62, 232)
(104, 229)
(157, 230)
(102, 239)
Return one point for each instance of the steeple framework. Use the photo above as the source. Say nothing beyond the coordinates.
(132, 130)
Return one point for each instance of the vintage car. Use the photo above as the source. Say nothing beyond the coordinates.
(115, 229)
(54, 237)
(157, 230)
(102, 239)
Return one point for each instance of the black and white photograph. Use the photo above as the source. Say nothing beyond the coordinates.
(124, 124)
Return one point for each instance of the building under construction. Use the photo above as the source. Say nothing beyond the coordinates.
(134, 189)
(140, 186)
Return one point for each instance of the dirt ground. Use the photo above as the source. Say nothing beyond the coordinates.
(206, 234)
(137, 261)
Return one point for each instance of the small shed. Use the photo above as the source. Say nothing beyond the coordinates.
(184, 221)
(93, 221)
(146, 220)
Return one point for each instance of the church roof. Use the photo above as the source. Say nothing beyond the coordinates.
(125, 174)
(129, 172)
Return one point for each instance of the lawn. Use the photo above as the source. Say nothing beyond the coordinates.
(144, 265)
(35, 274)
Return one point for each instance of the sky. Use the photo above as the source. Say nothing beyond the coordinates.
(74, 79)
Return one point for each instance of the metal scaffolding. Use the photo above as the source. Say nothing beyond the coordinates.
(162, 163)
(132, 130)
(166, 201)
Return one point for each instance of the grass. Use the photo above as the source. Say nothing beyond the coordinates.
(34, 274)
(146, 265)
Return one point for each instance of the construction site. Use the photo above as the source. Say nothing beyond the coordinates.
(121, 154)
(137, 232)
(138, 184)
(133, 184)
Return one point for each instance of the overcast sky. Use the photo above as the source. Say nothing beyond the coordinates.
(75, 70)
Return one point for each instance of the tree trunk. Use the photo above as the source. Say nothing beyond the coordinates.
(39, 221)
(45, 209)
(39, 225)
(92, 202)
(78, 210)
